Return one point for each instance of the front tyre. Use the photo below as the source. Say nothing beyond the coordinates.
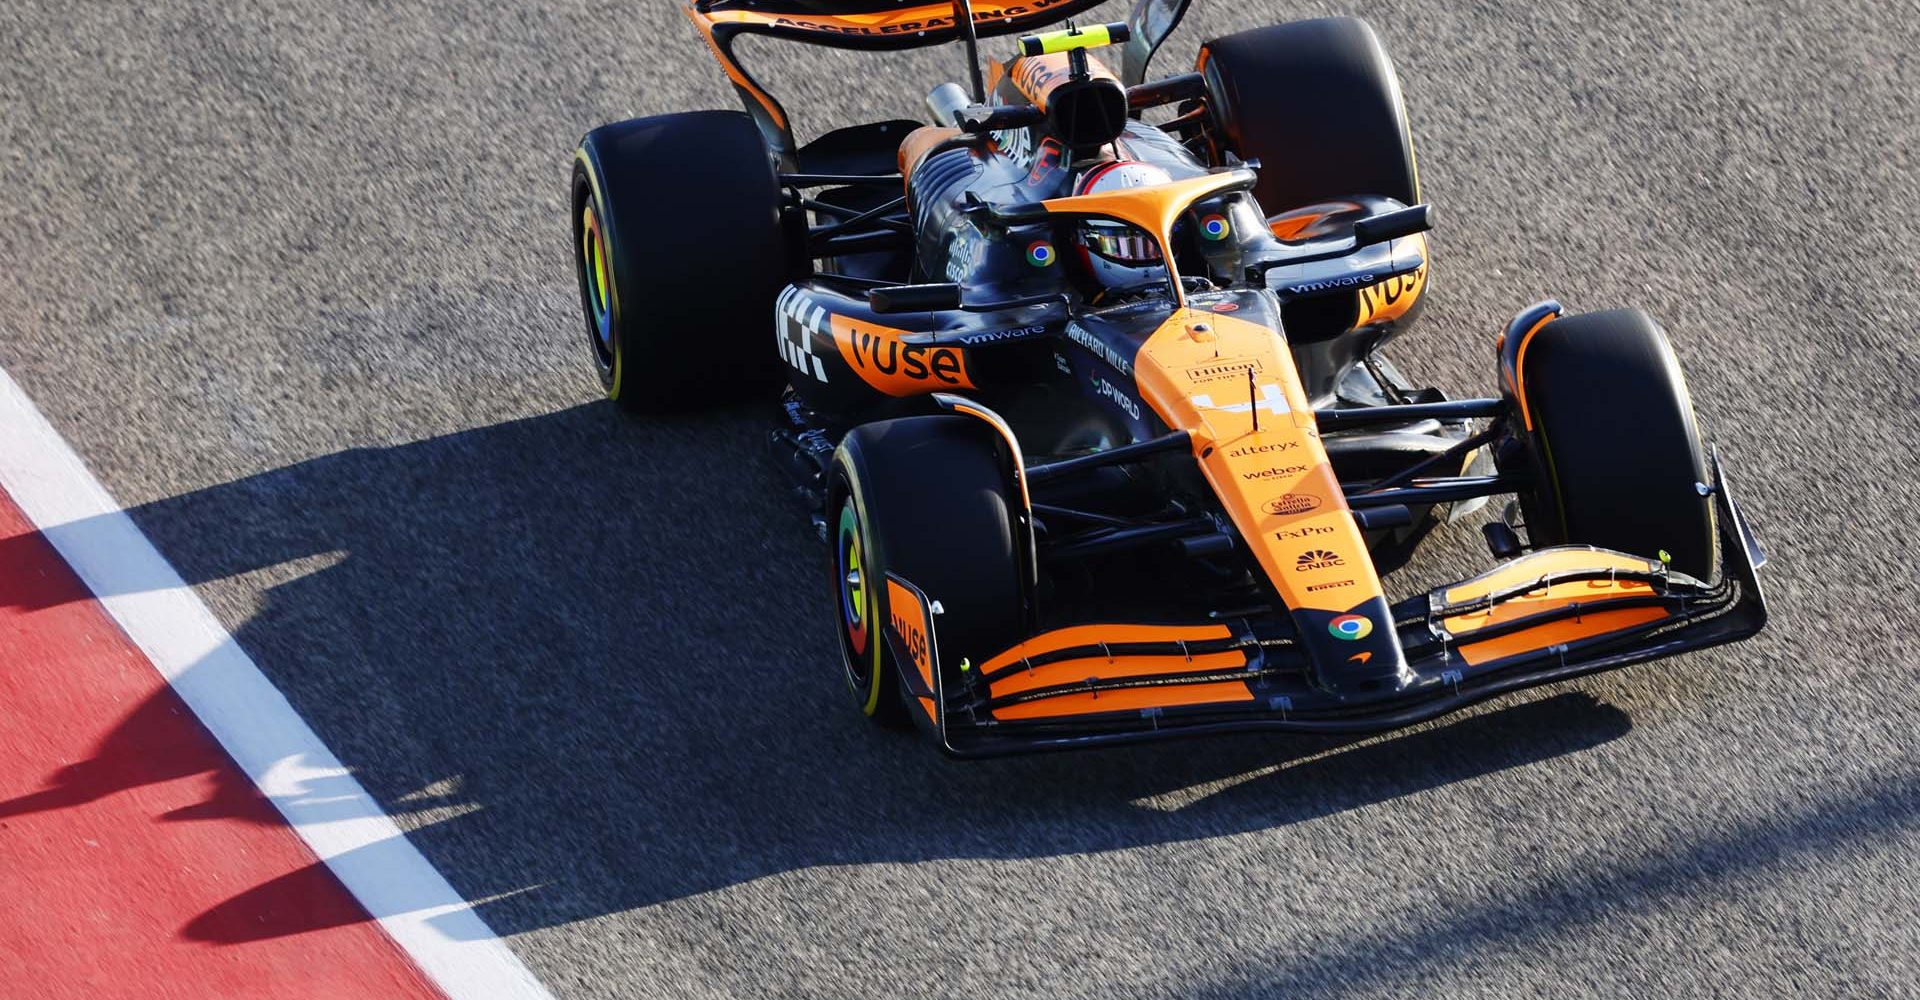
(678, 250)
(1611, 433)
(929, 499)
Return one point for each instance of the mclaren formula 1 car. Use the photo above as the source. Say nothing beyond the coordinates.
(1085, 386)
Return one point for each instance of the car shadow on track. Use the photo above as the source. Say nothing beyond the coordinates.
(585, 661)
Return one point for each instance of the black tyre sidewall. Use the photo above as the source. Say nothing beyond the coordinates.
(688, 207)
(935, 504)
(1614, 442)
(1318, 104)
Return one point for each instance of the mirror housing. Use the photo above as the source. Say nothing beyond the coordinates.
(914, 298)
(1393, 225)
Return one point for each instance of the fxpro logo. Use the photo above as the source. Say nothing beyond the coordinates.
(1120, 399)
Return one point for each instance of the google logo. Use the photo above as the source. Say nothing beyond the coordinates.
(1352, 628)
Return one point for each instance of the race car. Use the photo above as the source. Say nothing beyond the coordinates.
(1086, 391)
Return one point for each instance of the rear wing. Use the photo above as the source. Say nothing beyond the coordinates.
(884, 25)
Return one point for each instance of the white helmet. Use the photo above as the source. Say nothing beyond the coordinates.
(1119, 255)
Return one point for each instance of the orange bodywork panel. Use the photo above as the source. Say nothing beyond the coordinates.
(1232, 386)
(1100, 668)
(1112, 635)
(1154, 209)
(1568, 630)
(735, 72)
(1129, 700)
(904, 21)
(919, 143)
(1037, 77)
(1213, 376)
(1392, 298)
(1520, 366)
(1311, 221)
(1540, 568)
(910, 621)
(882, 359)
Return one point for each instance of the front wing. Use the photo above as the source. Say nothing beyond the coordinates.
(1548, 616)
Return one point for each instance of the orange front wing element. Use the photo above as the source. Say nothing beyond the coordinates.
(1527, 588)
(1542, 604)
(1071, 671)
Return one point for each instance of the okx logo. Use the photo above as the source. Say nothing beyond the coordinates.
(1317, 559)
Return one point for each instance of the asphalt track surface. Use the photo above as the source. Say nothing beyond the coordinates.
(294, 280)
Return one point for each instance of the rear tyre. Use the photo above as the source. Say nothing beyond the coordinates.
(677, 246)
(927, 498)
(1317, 103)
(1616, 450)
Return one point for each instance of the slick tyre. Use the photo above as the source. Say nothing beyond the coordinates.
(1617, 454)
(929, 499)
(678, 249)
(1318, 104)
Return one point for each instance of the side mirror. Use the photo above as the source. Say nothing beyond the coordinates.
(1393, 225)
(914, 298)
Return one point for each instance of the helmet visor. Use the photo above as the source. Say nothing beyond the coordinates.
(1123, 245)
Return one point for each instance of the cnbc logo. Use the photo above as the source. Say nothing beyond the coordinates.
(1317, 559)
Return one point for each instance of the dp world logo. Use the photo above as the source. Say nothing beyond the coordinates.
(1317, 559)
(1352, 628)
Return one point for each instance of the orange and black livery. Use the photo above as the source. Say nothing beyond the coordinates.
(1085, 383)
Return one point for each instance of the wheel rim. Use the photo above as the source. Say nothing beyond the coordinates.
(850, 579)
(596, 285)
(852, 584)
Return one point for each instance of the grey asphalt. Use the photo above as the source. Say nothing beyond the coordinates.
(294, 280)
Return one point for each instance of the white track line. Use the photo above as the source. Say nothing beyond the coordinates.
(248, 715)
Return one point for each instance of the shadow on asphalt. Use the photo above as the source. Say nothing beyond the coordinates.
(1813, 835)
(584, 659)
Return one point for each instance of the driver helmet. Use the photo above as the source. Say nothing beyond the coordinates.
(1119, 255)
